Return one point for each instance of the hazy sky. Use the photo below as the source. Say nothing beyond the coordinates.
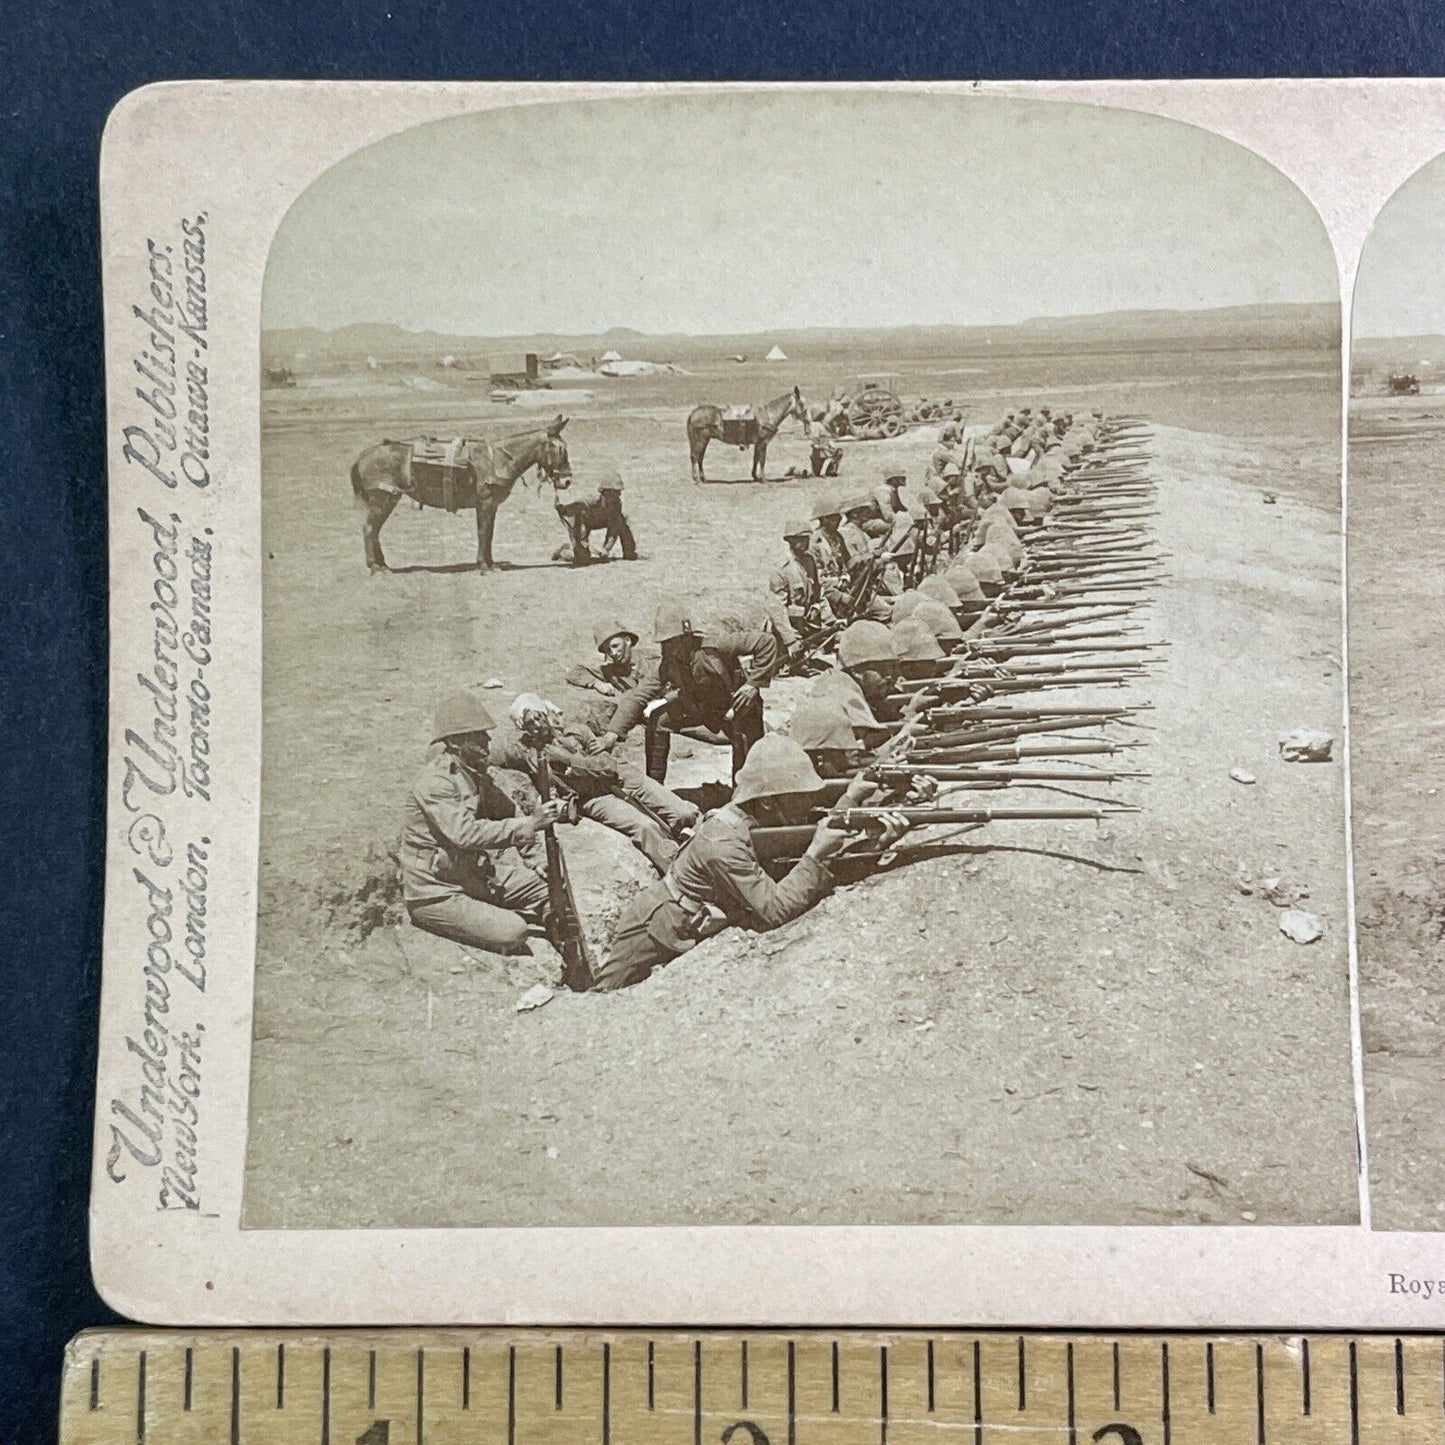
(710, 214)
(1400, 286)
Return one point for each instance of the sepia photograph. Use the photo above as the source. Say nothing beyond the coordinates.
(1397, 699)
(801, 675)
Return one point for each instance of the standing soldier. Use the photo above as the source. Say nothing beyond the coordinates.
(717, 880)
(796, 587)
(701, 682)
(650, 817)
(472, 869)
(601, 513)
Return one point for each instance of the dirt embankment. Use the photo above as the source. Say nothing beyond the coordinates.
(1063, 1022)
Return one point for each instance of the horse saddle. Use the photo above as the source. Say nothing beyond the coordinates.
(739, 426)
(439, 468)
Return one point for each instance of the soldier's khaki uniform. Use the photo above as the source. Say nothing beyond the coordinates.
(472, 870)
(796, 588)
(700, 691)
(648, 815)
(719, 869)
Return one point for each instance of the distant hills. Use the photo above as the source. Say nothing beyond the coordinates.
(1304, 325)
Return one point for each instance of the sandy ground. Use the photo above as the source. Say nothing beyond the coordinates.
(1397, 704)
(1063, 1023)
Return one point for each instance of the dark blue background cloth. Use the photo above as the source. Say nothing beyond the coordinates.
(64, 66)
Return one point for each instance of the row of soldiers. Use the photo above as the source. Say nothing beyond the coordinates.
(875, 590)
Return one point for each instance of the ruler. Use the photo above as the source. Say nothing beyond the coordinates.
(447, 1387)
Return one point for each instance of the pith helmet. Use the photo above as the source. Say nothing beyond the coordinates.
(915, 641)
(606, 628)
(894, 478)
(964, 583)
(984, 565)
(609, 479)
(774, 768)
(865, 642)
(938, 589)
(937, 618)
(797, 528)
(460, 713)
(1040, 502)
(863, 503)
(674, 619)
(904, 604)
(820, 722)
(826, 507)
(838, 687)
(1014, 496)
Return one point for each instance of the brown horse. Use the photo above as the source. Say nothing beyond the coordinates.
(704, 424)
(382, 475)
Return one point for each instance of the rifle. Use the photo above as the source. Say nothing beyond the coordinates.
(566, 921)
(775, 844)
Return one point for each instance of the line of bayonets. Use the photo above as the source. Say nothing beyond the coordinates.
(1065, 617)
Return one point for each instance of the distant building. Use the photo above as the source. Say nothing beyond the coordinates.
(611, 356)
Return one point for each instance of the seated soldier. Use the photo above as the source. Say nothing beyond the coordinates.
(718, 881)
(601, 513)
(825, 456)
(797, 590)
(701, 682)
(618, 669)
(472, 869)
(553, 758)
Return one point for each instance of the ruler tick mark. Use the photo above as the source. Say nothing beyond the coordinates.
(977, 1393)
(325, 1396)
(606, 1391)
(420, 1396)
(140, 1400)
(466, 1377)
(651, 1390)
(511, 1394)
(835, 1377)
(1069, 1391)
(1023, 1378)
(1305, 1373)
(1259, 1393)
(235, 1396)
(1116, 1374)
(1165, 1412)
(95, 1382)
(1209, 1375)
(1399, 1376)
(930, 1377)
(1354, 1397)
(281, 1377)
(557, 1379)
(371, 1381)
(792, 1395)
(186, 1388)
(743, 1374)
(697, 1392)
(883, 1395)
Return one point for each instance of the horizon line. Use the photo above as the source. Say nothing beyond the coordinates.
(826, 326)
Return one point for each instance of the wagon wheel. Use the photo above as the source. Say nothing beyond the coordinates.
(892, 425)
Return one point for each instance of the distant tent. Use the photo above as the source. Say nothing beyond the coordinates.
(776, 354)
(611, 356)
